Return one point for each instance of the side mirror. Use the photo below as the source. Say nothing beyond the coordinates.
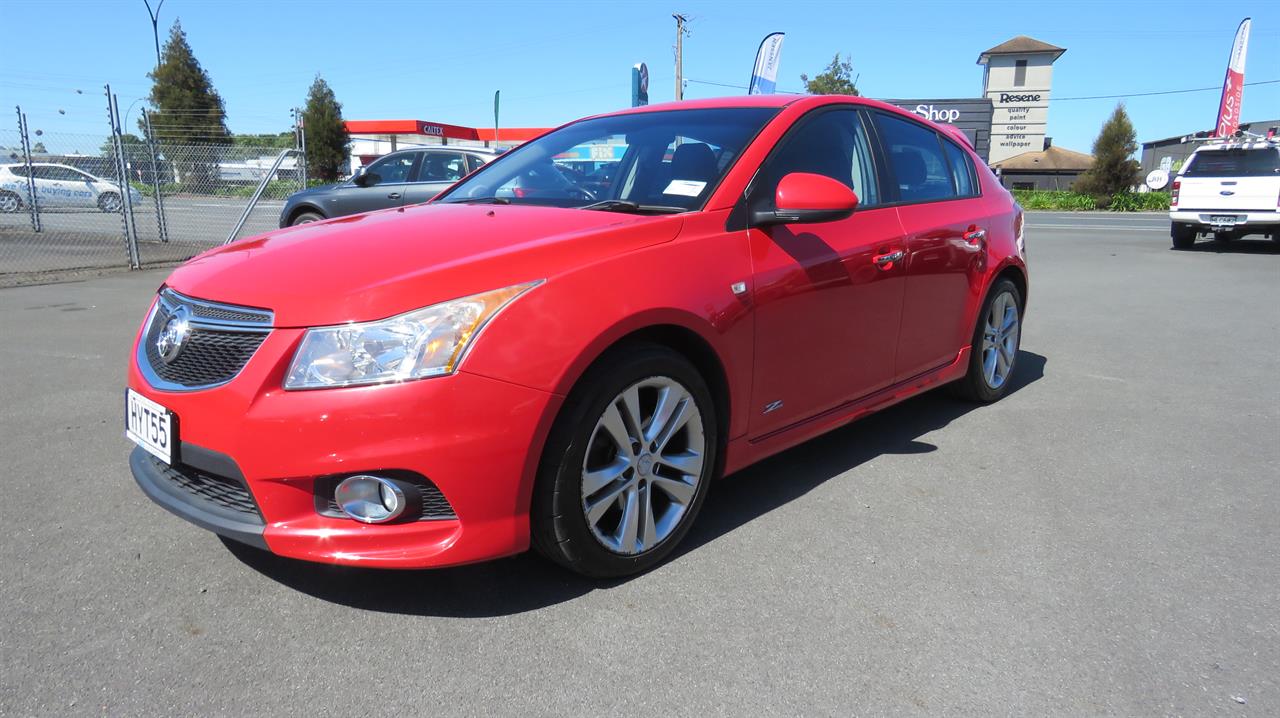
(359, 178)
(806, 198)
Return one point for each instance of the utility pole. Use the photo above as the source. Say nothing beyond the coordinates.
(680, 33)
(155, 26)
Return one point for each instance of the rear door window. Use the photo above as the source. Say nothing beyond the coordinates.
(442, 167)
(920, 169)
(1234, 163)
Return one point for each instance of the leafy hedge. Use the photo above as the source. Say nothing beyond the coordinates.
(1076, 202)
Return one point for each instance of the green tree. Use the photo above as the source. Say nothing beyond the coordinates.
(280, 140)
(326, 133)
(188, 114)
(39, 148)
(187, 109)
(1114, 169)
(835, 80)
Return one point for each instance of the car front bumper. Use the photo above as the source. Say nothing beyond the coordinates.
(477, 439)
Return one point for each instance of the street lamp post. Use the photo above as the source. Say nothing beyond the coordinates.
(155, 26)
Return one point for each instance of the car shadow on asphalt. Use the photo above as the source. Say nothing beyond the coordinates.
(525, 582)
(1236, 246)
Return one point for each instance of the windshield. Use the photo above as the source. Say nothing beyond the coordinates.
(1235, 163)
(645, 162)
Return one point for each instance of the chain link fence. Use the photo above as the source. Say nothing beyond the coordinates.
(73, 204)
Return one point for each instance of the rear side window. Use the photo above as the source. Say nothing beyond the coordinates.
(18, 170)
(915, 156)
(962, 173)
(1234, 163)
(441, 167)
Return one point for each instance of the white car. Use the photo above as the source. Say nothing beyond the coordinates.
(1227, 190)
(59, 186)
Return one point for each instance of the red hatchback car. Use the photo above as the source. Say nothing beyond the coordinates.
(569, 368)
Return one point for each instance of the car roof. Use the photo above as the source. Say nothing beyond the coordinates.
(740, 101)
(444, 148)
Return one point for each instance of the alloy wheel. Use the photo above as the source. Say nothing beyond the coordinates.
(642, 466)
(110, 203)
(8, 203)
(1000, 340)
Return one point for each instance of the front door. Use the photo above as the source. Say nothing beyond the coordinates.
(827, 296)
(385, 182)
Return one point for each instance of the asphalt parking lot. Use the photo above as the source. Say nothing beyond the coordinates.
(1102, 541)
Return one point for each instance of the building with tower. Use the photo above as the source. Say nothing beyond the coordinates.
(1018, 78)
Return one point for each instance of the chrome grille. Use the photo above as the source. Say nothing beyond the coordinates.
(221, 340)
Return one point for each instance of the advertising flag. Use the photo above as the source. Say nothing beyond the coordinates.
(764, 76)
(1233, 86)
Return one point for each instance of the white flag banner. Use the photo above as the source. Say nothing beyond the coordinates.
(764, 76)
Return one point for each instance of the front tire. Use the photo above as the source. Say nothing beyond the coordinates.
(996, 339)
(305, 218)
(627, 465)
(1183, 234)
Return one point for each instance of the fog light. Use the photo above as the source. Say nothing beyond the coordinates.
(373, 499)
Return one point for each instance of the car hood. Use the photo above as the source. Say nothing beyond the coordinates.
(315, 191)
(376, 265)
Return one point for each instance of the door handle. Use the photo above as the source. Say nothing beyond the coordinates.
(976, 235)
(885, 261)
(394, 195)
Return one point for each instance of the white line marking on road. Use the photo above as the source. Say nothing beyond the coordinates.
(1094, 226)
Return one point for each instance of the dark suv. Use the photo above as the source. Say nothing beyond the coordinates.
(403, 177)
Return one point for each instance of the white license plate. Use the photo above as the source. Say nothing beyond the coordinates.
(149, 425)
(1223, 219)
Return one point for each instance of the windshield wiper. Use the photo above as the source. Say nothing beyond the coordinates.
(479, 200)
(622, 205)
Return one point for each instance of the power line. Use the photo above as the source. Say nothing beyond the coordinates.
(1161, 92)
(1055, 99)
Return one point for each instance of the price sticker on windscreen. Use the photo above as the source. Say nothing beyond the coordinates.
(685, 188)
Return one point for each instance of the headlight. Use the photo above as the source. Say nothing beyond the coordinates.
(425, 342)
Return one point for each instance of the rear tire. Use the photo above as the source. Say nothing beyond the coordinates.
(607, 507)
(9, 203)
(109, 202)
(306, 218)
(1183, 234)
(994, 352)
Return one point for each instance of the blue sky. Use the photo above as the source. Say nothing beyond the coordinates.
(555, 61)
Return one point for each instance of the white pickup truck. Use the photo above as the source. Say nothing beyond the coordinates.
(1227, 189)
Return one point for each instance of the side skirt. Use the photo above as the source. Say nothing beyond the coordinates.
(744, 451)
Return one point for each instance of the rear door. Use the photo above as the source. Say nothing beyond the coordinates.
(827, 297)
(944, 219)
(1231, 179)
(437, 171)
